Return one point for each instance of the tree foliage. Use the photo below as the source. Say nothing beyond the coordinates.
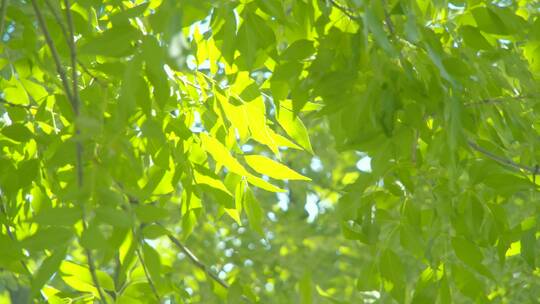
(269, 151)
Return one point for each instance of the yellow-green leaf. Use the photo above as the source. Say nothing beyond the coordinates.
(222, 155)
(272, 168)
(294, 128)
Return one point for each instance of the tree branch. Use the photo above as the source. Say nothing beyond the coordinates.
(75, 102)
(58, 19)
(501, 160)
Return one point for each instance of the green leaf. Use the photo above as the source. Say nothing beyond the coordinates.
(221, 154)
(234, 293)
(48, 238)
(209, 179)
(298, 50)
(11, 251)
(59, 216)
(79, 278)
(294, 128)
(528, 247)
(261, 183)
(114, 42)
(27, 172)
(253, 211)
(273, 169)
(489, 22)
(254, 36)
(17, 132)
(16, 95)
(468, 283)
(305, 286)
(150, 213)
(467, 251)
(112, 216)
(92, 237)
(48, 268)
(376, 28)
(125, 14)
(154, 54)
(473, 38)
(154, 231)
(153, 264)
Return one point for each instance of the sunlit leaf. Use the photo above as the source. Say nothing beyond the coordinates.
(271, 168)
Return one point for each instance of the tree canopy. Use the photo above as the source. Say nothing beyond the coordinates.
(269, 151)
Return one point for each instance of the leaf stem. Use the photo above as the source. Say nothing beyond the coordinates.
(501, 160)
(147, 275)
(496, 100)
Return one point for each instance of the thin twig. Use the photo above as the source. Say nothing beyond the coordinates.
(75, 82)
(60, 23)
(54, 52)
(196, 261)
(388, 19)
(3, 12)
(501, 160)
(344, 10)
(148, 278)
(58, 19)
(73, 52)
(92, 269)
(496, 100)
(87, 71)
(187, 251)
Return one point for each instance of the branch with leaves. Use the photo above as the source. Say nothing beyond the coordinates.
(73, 96)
